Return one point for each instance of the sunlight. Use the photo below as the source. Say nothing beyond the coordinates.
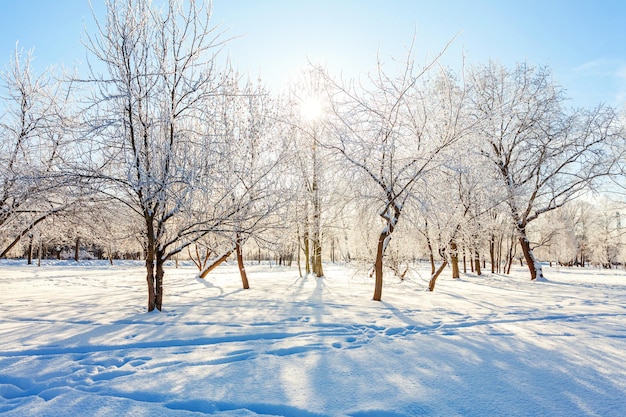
(311, 108)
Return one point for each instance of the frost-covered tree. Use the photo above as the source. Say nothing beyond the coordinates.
(35, 133)
(543, 153)
(606, 233)
(392, 130)
(154, 78)
(245, 189)
(311, 165)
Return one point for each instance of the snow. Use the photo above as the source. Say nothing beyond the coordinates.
(76, 340)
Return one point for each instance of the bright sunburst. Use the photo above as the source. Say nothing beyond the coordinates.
(311, 108)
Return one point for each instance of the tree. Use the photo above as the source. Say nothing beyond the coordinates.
(246, 182)
(34, 131)
(150, 121)
(392, 131)
(543, 154)
(311, 161)
(607, 234)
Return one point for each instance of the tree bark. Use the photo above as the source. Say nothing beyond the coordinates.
(500, 241)
(240, 264)
(582, 257)
(298, 255)
(160, 272)
(477, 263)
(150, 279)
(307, 254)
(216, 263)
(391, 214)
(150, 261)
(30, 250)
(534, 267)
(431, 255)
(317, 214)
(317, 258)
(492, 252)
(433, 278)
(454, 260)
(378, 267)
(510, 255)
(77, 249)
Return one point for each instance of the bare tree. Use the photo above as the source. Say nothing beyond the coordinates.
(311, 161)
(245, 185)
(543, 154)
(34, 134)
(392, 134)
(150, 119)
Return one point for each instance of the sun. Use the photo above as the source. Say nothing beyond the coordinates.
(311, 108)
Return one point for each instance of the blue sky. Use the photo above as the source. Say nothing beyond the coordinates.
(584, 42)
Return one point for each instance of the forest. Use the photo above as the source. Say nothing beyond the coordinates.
(165, 152)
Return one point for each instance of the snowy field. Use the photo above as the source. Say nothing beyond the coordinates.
(76, 341)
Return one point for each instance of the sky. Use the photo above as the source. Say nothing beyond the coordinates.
(583, 42)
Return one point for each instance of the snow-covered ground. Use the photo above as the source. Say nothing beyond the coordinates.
(75, 340)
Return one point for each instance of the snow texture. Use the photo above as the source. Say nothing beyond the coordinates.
(76, 340)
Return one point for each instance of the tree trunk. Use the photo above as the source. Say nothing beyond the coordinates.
(150, 252)
(477, 263)
(582, 258)
(391, 214)
(454, 260)
(307, 254)
(242, 268)
(216, 263)
(492, 252)
(150, 280)
(433, 278)
(534, 267)
(378, 266)
(77, 249)
(431, 256)
(510, 255)
(317, 214)
(160, 273)
(500, 241)
(30, 250)
(298, 256)
(317, 258)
